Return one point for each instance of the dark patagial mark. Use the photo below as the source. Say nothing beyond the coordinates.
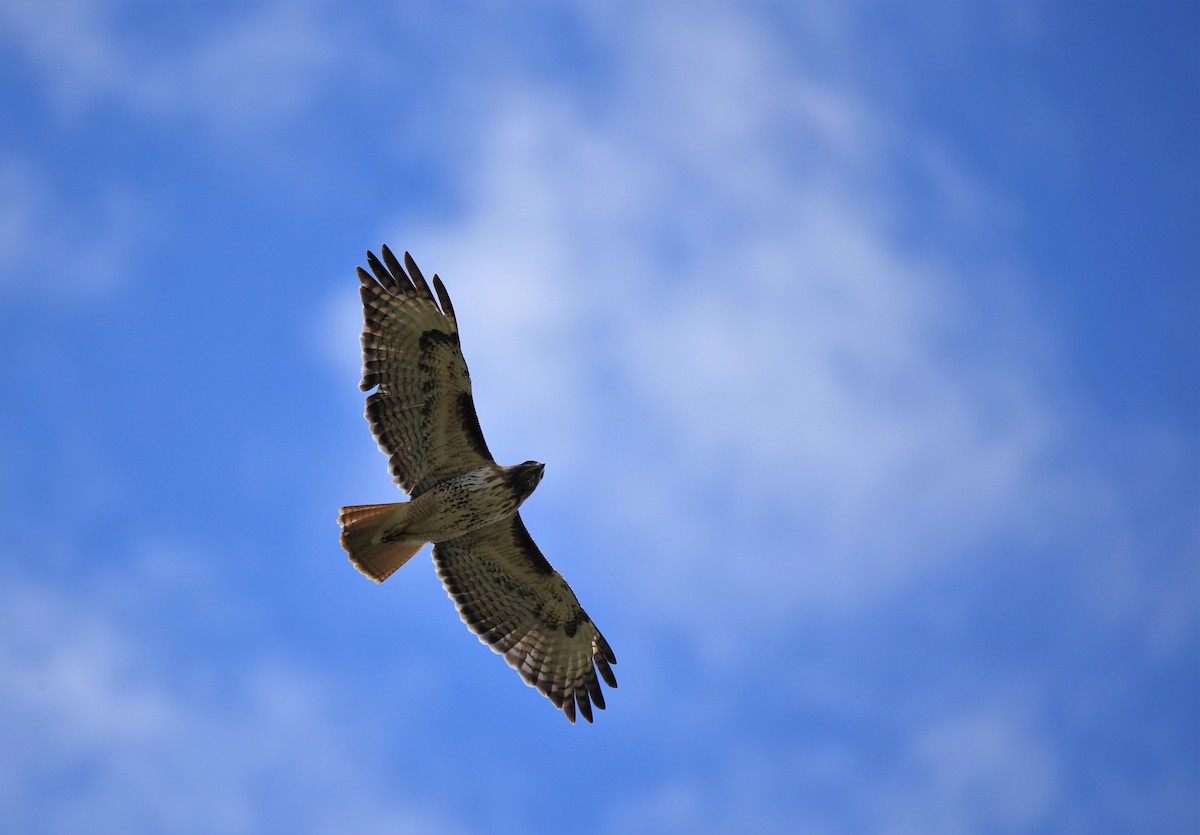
(470, 424)
(431, 342)
(434, 344)
(529, 548)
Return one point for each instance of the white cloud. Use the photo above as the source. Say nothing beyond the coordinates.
(139, 742)
(694, 297)
(985, 768)
(257, 73)
(688, 293)
(69, 42)
(697, 286)
(70, 249)
(250, 75)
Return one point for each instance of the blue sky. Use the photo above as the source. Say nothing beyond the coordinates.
(859, 341)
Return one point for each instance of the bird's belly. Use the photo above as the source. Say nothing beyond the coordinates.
(461, 504)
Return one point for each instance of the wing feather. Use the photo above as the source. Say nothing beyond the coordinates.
(509, 596)
(382, 275)
(417, 278)
(422, 413)
(397, 272)
(444, 298)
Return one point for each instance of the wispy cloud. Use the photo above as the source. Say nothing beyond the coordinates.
(260, 69)
(817, 463)
(39, 222)
(986, 768)
(705, 256)
(232, 746)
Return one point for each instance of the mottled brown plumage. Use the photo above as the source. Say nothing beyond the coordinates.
(423, 417)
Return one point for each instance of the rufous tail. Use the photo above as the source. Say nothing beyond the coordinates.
(363, 527)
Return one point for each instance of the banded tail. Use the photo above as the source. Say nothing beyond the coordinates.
(363, 527)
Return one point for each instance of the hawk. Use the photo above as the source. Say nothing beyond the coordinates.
(423, 417)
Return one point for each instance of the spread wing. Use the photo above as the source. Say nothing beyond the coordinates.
(422, 413)
(514, 600)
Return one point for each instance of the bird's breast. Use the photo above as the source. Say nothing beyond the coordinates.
(463, 503)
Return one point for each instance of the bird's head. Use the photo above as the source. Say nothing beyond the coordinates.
(525, 477)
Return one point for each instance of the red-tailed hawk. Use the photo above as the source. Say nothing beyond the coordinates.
(462, 501)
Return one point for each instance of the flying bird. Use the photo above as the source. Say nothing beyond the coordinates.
(422, 415)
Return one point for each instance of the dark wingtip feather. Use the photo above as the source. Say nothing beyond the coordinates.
(605, 649)
(605, 671)
(402, 281)
(585, 706)
(381, 274)
(414, 273)
(444, 298)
